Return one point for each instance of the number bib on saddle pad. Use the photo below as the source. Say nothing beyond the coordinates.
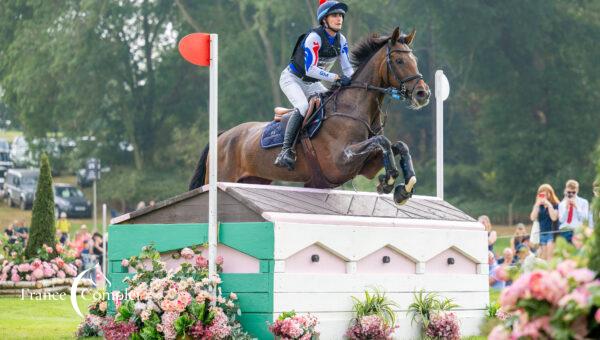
(272, 135)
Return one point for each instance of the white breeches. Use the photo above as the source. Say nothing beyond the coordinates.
(298, 91)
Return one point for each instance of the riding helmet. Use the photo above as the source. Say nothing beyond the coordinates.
(331, 7)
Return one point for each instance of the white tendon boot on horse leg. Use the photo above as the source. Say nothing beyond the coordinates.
(404, 191)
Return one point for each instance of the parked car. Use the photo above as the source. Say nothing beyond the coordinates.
(20, 186)
(72, 201)
(20, 153)
(83, 178)
(5, 162)
(5, 154)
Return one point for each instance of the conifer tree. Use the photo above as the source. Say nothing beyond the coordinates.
(43, 229)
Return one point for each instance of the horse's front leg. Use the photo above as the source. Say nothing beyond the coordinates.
(404, 191)
(359, 152)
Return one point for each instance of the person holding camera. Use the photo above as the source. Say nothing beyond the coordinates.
(572, 210)
(545, 211)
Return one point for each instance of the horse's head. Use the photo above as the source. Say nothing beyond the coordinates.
(399, 69)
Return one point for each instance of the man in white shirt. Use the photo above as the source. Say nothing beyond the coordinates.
(572, 210)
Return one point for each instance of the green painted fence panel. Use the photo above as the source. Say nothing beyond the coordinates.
(246, 283)
(254, 290)
(245, 237)
(257, 324)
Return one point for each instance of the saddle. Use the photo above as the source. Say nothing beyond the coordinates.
(311, 125)
(273, 133)
(314, 102)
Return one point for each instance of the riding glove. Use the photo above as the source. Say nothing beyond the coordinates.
(345, 81)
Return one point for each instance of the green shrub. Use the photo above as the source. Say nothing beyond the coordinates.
(427, 305)
(131, 186)
(376, 304)
(43, 227)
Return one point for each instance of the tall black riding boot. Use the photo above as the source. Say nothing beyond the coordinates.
(287, 156)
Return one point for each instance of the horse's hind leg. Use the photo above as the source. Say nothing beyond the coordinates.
(404, 191)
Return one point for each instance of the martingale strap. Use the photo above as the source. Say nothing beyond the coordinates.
(317, 177)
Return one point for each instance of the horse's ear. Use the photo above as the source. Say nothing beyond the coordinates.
(395, 36)
(411, 37)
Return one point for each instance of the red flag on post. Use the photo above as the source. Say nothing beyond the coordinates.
(195, 48)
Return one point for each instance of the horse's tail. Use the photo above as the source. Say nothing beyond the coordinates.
(200, 172)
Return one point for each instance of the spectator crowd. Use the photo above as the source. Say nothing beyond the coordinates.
(551, 218)
(88, 245)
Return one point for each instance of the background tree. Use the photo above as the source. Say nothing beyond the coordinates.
(43, 228)
(523, 107)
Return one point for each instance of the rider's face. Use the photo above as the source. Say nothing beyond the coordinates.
(335, 21)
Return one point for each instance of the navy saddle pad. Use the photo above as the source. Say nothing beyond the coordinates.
(272, 135)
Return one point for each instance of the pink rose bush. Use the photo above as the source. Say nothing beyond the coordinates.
(292, 326)
(369, 327)
(443, 326)
(161, 304)
(91, 326)
(561, 302)
(114, 330)
(187, 253)
(57, 262)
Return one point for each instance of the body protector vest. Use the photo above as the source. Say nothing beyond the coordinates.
(327, 53)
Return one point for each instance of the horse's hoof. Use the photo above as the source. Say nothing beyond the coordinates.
(383, 187)
(404, 191)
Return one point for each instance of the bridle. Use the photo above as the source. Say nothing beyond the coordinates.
(403, 91)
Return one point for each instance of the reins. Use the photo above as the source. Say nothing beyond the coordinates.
(401, 93)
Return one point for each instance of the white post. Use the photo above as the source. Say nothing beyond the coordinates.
(439, 138)
(104, 239)
(442, 90)
(212, 166)
(95, 228)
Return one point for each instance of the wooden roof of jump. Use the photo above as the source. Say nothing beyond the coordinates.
(249, 202)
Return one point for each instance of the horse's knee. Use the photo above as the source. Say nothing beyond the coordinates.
(383, 142)
(400, 148)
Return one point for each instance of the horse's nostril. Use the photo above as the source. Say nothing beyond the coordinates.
(421, 94)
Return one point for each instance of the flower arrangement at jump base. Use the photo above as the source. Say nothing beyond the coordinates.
(374, 318)
(434, 316)
(292, 326)
(51, 262)
(162, 304)
(561, 301)
(97, 317)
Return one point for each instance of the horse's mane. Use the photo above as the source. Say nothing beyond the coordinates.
(366, 48)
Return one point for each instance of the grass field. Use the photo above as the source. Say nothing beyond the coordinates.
(9, 135)
(31, 319)
(27, 319)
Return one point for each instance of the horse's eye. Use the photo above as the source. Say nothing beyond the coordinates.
(399, 61)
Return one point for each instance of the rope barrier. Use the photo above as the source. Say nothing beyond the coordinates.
(541, 233)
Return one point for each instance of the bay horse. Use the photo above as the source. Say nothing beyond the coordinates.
(350, 141)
